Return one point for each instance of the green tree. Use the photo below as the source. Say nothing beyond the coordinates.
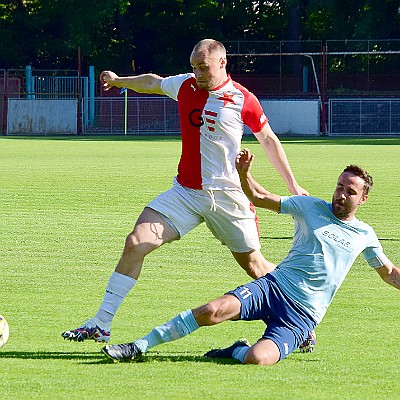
(47, 33)
(158, 35)
(356, 19)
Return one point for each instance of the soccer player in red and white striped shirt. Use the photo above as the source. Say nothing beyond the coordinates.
(213, 110)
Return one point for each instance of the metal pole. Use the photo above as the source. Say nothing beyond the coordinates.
(126, 111)
(79, 120)
(91, 94)
(323, 91)
(5, 105)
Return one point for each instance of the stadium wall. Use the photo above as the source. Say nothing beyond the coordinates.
(293, 117)
(42, 117)
(159, 115)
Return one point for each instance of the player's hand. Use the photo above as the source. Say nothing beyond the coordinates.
(298, 190)
(107, 79)
(243, 161)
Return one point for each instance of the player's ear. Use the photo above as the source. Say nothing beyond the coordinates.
(223, 62)
(363, 199)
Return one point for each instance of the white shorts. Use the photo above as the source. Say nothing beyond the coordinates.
(228, 214)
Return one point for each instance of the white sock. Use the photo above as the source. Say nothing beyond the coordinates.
(117, 289)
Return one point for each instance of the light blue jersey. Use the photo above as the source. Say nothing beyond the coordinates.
(324, 249)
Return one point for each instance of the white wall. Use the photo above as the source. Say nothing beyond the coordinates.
(286, 117)
(41, 116)
(296, 117)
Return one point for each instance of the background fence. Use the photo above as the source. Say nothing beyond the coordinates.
(159, 115)
(133, 115)
(356, 82)
(301, 68)
(364, 117)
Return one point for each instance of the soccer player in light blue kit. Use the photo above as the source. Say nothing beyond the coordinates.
(293, 298)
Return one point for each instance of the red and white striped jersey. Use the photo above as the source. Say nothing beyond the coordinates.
(212, 126)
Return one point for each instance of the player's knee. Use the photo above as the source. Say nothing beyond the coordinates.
(263, 359)
(131, 244)
(264, 352)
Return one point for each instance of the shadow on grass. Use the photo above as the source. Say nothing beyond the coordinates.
(185, 357)
(277, 237)
(169, 358)
(291, 238)
(47, 355)
(99, 358)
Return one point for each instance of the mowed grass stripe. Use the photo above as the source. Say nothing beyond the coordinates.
(66, 207)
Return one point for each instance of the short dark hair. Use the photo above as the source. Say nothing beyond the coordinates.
(210, 45)
(363, 174)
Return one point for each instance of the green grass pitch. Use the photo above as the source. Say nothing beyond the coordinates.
(66, 205)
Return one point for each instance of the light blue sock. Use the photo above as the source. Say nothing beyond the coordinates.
(240, 353)
(178, 327)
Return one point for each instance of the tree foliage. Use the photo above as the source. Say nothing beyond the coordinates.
(158, 35)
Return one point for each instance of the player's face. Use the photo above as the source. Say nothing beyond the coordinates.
(209, 69)
(348, 195)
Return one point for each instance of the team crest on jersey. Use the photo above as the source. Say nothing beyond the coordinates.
(227, 98)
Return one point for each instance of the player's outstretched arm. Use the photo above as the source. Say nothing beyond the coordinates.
(259, 196)
(390, 274)
(146, 83)
(276, 154)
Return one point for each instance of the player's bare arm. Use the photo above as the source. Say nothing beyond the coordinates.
(146, 83)
(390, 274)
(276, 154)
(257, 194)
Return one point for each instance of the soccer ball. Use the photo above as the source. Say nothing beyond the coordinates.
(4, 331)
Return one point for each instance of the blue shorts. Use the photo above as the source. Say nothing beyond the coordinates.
(288, 324)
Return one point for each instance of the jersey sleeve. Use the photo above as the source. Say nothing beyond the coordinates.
(296, 205)
(253, 114)
(373, 252)
(171, 85)
(285, 205)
